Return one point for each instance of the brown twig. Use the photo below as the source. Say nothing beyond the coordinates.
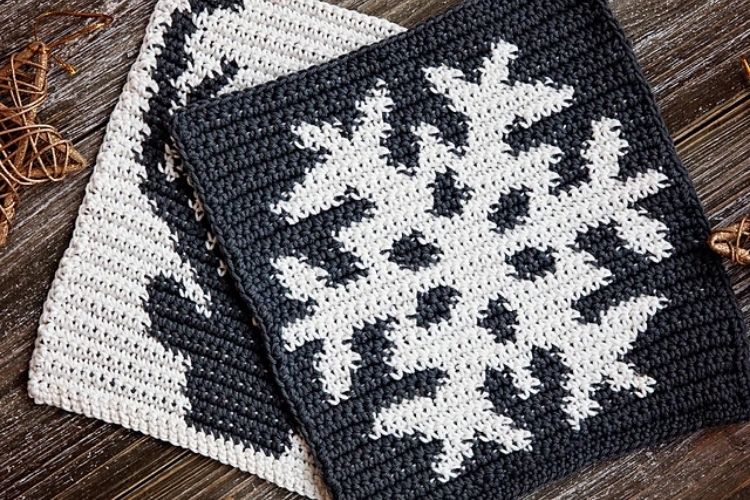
(731, 242)
(33, 152)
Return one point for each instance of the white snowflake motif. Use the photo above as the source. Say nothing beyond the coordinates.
(473, 260)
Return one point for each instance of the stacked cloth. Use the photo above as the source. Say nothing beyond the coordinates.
(141, 327)
(461, 260)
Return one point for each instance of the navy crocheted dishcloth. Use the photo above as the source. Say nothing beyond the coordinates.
(477, 260)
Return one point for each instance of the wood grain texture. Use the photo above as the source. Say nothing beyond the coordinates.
(689, 50)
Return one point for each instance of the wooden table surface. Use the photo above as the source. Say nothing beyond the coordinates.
(690, 50)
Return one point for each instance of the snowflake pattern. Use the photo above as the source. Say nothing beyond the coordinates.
(477, 260)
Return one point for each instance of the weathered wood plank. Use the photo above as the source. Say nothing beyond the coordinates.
(689, 50)
(668, 471)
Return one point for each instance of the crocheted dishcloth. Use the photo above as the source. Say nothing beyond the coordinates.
(476, 257)
(140, 327)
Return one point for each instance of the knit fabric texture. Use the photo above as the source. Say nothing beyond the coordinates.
(477, 260)
(141, 327)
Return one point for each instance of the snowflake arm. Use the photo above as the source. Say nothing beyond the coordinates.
(618, 330)
(454, 417)
(350, 162)
(641, 233)
(494, 101)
